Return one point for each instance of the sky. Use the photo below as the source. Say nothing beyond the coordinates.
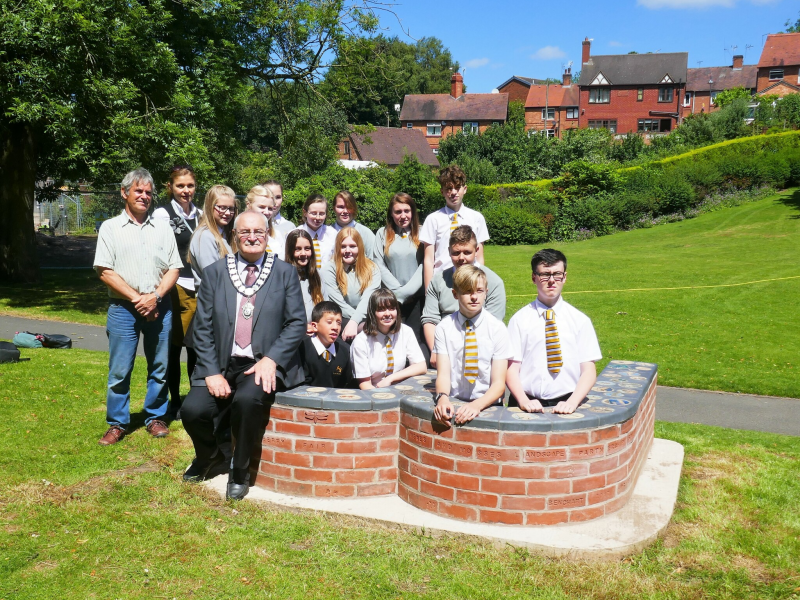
(495, 40)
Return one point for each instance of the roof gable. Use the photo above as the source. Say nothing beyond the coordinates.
(600, 80)
(554, 95)
(780, 50)
(636, 69)
(666, 79)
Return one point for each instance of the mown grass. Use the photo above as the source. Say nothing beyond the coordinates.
(741, 339)
(81, 521)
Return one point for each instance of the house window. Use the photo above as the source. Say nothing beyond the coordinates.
(410, 125)
(665, 94)
(436, 152)
(572, 112)
(551, 114)
(611, 125)
(775, 74)
(495, 123)
(434, 129)
(648, 124)
(347, 148)
(714, 98)
(549, 133)
(687, 99)
(470, 126)
(599, 96)
(640, 94)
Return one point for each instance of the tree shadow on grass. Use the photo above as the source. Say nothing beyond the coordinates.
(792, 201)
(59, 291)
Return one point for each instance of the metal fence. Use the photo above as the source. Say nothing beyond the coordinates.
(64, 215)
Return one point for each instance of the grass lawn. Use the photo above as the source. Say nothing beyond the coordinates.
(744, 338)
(81, 521)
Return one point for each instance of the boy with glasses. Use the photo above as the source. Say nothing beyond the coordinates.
(554, 344)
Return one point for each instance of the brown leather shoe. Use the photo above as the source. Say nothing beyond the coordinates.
(157, 429)
(114, 434)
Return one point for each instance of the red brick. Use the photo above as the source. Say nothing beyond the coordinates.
(502, 516)
(436, 460)
(604, 464)
(267, 455)
(281, 413)
(545, 454)
(437, 491)
(478, 468)
(409, 421)
(503, 486)
(568, 471)
(358, 417)
(316, 446)
(422, 502)
(390, 416)
(566, 502)
(603, 495)
(545, 488)
(408, 450)
(459, 481)
(423, 472)
(455, 511)
(334, 432)
(626, 427)
(478, 436)
(476, 499)
(436, 428)
(294, 488)
(357, 447)
(522, 503)
(377, 431)
(574, 438)
(335, 491)
(586, 514)
(523, 471)
(348, 476)
(419, 439)
(546, 518)
(586, 452)
(375, 461)
(388, 445)
(377, 489)
(290, 427)
(496, 454)
(402, 493)
(335, 461)
(607, 433)
(530, 440)
(616, 475)
(408, 480)
(448, 447)
(269, 426)
(615, 504)
(617, 445)
(265, 482)
(312, 475)
(276, 470)
(388, 474)
(624, 485)
(277, 441)
(403, 463)
(595, 482)
(626, 454)
(296, 460)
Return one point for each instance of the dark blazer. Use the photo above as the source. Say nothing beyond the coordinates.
(336, 374)
(279, 322)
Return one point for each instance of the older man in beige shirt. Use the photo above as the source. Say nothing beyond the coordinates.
(137, 258)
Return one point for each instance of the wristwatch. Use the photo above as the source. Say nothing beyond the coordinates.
(158, 298)
(439, 397)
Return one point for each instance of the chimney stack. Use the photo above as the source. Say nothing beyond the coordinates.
(587, 46)
(456, 85)
(738, 61)
(566, 79)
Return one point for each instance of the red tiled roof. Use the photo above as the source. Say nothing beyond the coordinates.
(555, 95)
(781, 49)
(443, 107)
(390, 144)
(724, 78)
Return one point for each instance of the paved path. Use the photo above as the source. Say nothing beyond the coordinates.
(679, 405)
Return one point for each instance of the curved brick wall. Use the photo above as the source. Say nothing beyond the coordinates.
(506, 466)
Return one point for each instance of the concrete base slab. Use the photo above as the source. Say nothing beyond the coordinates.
(625, 532)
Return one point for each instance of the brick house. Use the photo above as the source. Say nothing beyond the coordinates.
(517, 87)
(779, 66)
(703, 84)
(387, 145)
(440, 115)
(632, 92)
(553, 107)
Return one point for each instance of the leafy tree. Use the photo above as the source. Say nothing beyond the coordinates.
(787, 110)
(729, 121)
(725, 97)
(792, 27)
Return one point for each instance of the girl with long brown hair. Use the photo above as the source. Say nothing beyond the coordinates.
(300, 253)
(214, 238)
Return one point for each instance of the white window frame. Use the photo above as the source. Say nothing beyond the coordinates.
(409, 126)
(774, 72)
(610, 124)
(666, 91)
(648, 125)
(434, 130)
(550, 111)
(470, 127)
(436, 152)
(599, 95)
(687, 98)
(714, 97)
(573, 110)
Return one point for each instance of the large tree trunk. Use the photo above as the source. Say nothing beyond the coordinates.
(18, 260)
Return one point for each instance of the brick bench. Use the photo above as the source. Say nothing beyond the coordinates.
(506, 466)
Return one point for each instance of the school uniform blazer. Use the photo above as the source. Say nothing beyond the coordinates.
(279, 322)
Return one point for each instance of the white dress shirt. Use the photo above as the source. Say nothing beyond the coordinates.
(368, 353)
(320, 347)
(241, 265)
(283, 225)
(493, 344)
(277, 243)
(326, 239)
(578, 345)
(436, 231)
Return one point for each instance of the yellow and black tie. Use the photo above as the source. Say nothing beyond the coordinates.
(470, 352)
(554, 362)
(389, 356)
(317, 252)
(327, 356)
(453, 222)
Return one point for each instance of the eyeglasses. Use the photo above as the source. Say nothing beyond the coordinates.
(556, 276)
(257, 233)
(225, 209)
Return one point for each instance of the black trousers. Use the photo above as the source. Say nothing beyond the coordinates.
(545, 403)
(211, 422)
(411, 312)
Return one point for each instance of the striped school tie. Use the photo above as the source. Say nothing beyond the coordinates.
(327, 356)
(389, 356)
(317, 251)
(453, 222)
(470, 353)
(554, 362)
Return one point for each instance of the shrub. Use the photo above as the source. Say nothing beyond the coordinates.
(510, 225)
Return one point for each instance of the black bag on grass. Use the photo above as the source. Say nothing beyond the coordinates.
(9, 353)
(55, 340)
